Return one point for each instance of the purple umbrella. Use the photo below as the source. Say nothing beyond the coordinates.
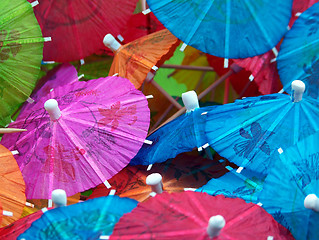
(90, 131)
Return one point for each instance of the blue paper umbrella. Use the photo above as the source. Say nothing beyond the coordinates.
(298, 57)
(294, 176)
(183, 134)
(230, 29)
(88, 220)
(246, 185)
(248, 131)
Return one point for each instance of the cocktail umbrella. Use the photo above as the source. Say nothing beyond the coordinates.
(298, 55)
(187, 215)
(12, 187)
(291, 180)
(183, 134)
(77, 28)
(229, 29)
(21, 46)
(100, 127)
(184, 171)
(87, 220)
(246, 185)
(248, 131)
(136, 59)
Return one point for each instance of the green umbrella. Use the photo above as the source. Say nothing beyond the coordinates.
(21, 46)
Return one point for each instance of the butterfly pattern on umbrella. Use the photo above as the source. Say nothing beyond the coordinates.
(14, 46)
(256, 134)
(312, 20)
(312, 77)
(303, 165)
(115, 114)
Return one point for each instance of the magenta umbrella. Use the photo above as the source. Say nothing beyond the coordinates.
(93, 130)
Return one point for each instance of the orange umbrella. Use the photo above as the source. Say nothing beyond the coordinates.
(136, 59)
(185, 171)
(12, 187)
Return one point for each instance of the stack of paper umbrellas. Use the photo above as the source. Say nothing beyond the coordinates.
(159, 119)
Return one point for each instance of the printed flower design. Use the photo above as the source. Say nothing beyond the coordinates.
(115, 114)
(244, 148)
(11, 46)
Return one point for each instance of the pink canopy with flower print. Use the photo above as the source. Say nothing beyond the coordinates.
(103, 124)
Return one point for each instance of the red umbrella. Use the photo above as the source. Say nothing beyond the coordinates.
(77, 27)
(195, 215)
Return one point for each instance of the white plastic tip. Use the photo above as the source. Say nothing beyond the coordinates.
(82, 62)
(155, 181)
(59, 198)
(190, 189)
(226, 63)
(215, 225)
(275, 51)
(120, 37)
(47, 39)
(112, 192)
(251, 78)
(298, 88)
(30, 100)
(7, 213)
(190, 100)
(149, 167)
(148, 142)
(239, 169)
(184, 45)
(104, 237)
(149, 96)
(312, 202)
(51, 106)
(110, 42)
(33, 4)
(15, 152)
(146, 11)
(49, 203)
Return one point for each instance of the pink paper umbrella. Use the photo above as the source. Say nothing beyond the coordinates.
(94, 132)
